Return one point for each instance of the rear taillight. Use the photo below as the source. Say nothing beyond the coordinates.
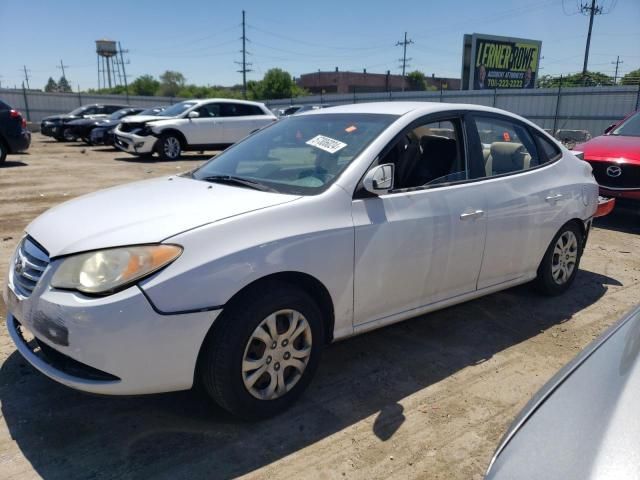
(18, 115)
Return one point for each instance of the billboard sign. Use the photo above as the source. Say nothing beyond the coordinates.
(500, 62)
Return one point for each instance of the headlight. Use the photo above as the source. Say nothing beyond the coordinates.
(105, 271)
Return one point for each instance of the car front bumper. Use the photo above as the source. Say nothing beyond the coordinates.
(51, 129)
(128, 346)
(135, 144)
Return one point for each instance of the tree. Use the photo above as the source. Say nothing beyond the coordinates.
(416, 80)
(631, 78)
(170, 83)
(592, 79)
(51, 85)
(276, 83)
(144, 85)
(63, 85)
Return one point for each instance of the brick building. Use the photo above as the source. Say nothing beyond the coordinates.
(348, 82)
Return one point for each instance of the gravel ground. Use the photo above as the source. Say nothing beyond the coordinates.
(426, 398)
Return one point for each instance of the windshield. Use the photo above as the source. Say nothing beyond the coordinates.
(152, 111)
(78, 111)
(630, 128)
(300, 155)
(119, 114)
(177, 109)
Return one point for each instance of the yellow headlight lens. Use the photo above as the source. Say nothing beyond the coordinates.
(105, 271)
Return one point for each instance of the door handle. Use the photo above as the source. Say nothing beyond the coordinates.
(554, 198)
(471, 215)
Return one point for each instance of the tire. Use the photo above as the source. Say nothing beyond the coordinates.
(271, 387)
(68, 136)
(561, 261)
(3, 152)
(169, 146)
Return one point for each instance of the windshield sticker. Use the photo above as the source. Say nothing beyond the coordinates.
(350, 129)
(326, 143)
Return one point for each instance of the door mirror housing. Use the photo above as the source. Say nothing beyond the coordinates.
(379, 179)
(609, 128)
(193, 114)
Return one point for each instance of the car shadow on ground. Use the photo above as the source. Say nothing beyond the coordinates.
(184, 158)
(625, 218)
(68, 434)
(12, 164)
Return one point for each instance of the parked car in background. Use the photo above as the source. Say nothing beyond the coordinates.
(103, 133)
(56, 125)
(81, 128)
(295, 109)
(14, 135)
(615, 158)
(584, 422)
(212, 124)
(321, 226)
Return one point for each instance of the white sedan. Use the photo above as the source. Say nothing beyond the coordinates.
(319, 227)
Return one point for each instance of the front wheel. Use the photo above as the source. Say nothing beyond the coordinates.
(169, 147)
(560, 263)
(265, 351)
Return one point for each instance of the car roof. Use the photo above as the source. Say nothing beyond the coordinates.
(222, 100)
(402, 108)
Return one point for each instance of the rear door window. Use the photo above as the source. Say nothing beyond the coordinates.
(507, 146)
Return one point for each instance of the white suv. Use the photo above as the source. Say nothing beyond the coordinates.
(211, 124)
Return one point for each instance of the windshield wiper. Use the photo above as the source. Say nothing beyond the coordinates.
(238, 181)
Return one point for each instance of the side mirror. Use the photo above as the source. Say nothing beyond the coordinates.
(578, 154)
(609, 128)
(193, 114)
(379, 179)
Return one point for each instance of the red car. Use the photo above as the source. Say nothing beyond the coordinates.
(615, 158)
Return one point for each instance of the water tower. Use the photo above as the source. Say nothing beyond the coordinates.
(108, 64)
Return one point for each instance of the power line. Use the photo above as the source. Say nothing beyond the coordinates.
(404, 55)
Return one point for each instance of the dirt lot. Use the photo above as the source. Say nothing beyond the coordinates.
(427, 398)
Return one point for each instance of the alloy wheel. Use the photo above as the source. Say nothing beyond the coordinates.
(171, 147)
(565, 257)
(276, 354)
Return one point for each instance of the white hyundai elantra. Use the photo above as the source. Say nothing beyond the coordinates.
(319, 227)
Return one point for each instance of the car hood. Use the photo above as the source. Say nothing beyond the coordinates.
(143, 212)
(608, 147)
(53, 118)
(107, 123)
(584, 423)
(83, 121)
(143, 118)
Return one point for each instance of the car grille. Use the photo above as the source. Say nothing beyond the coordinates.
(130, 127)
(629, 174)
(29, 264)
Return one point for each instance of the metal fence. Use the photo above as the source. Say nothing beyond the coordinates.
(37, 105)
(588, 108)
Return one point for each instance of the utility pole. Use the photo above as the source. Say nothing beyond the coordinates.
(404, 56)
(617, 63)
(26, 76)
(244, 63)
(124, 72)
(62, 67)
(593, 11)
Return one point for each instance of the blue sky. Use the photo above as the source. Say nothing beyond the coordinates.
(201, 38)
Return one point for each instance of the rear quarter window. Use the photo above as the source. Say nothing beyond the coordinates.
(551, 150)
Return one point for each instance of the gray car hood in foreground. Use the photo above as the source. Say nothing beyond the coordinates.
(585, 423)
(143, 212)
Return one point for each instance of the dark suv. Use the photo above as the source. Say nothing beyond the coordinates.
(14, 136)
(56, 125)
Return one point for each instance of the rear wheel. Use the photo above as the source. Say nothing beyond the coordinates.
(169, 147)
(560, 263)
(264, 353)
(3, 152)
